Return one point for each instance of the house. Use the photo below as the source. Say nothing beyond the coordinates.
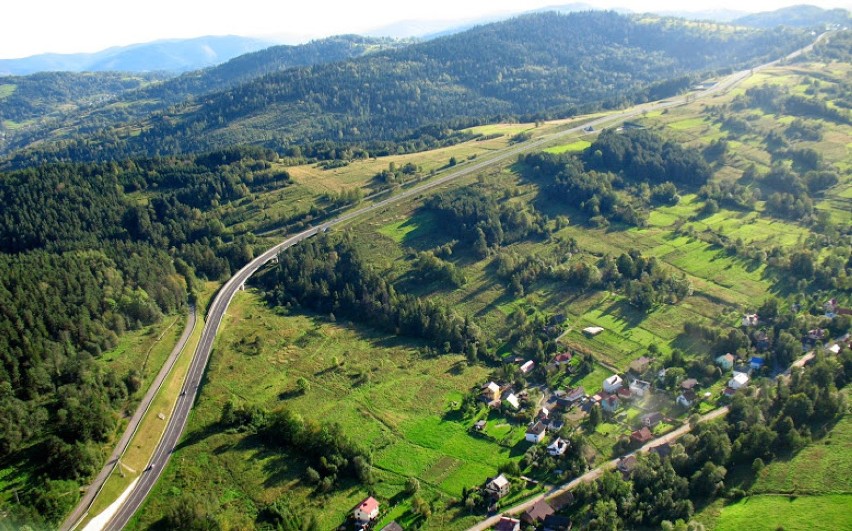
(393, 526)
(640, 387)
(575, 395)
(557, 447)
(610, 403)
(641, 436)
(725, 361)
(729, 393)
(834, 349)
(527, 367)
(561, 501)
(555, 522)
(537, 513)
(688, 384)
(817, 334)
(536, 432)
(651, 419)
(480, 425)
(512, 400)
(578, 393)
(491, 391)
(612, 384)
(556, 425)
(739, 381)
(367, 510)
(639, 366)
(498, 487)
(750, 319)
(562, 359)
(624, 394)
(686, 398)
(663, 450)
(592, 331)
(626, 465)
(756, 363)
(508, 524)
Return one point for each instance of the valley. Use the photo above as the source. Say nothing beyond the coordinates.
(403, 309)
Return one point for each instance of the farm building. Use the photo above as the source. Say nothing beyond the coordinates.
(612, 384)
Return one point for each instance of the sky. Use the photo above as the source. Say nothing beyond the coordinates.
(29, 27)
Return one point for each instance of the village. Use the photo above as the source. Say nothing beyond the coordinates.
(567, 430)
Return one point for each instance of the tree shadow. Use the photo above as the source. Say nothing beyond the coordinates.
(621, 311)
(520, 448)
(196, 436)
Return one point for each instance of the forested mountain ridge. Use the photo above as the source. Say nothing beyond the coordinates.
(83, 103)
(26, 99)
(536, 66)
(801, 16)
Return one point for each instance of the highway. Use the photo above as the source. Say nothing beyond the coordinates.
(177, 421)
(94, 488)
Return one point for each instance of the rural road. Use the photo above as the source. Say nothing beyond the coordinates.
(178, 419)
(595, 473)
(95, 487)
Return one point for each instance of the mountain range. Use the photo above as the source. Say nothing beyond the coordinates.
(172, 55)
(535, 66)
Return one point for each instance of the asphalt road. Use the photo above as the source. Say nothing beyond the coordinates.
(94, 488)
(178, 419)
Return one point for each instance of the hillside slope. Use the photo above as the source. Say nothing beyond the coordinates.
(801, 16)
(536, 66)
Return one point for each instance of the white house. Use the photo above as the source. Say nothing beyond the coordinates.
(492, 391)
(498, 487)
(686, 398)
(640, 387)
(739, 380)
(527, 366)
(557, 447)
(513, 401)
(750, 319)
(612, 384)
(536, 432)
(367, 510)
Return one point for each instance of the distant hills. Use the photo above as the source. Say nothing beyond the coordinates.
(33, 106)
(802, 16)
(176, 55)
(531, 67)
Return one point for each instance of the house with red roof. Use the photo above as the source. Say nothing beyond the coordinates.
(367, 510)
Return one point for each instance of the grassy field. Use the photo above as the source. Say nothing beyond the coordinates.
(383, 392)
(812, 490)
(829, 512)
(824, 467)
(573, 147)
(6, 90)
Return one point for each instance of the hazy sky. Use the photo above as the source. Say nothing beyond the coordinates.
(29, 27)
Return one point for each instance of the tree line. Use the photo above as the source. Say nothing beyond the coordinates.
(326, 275)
